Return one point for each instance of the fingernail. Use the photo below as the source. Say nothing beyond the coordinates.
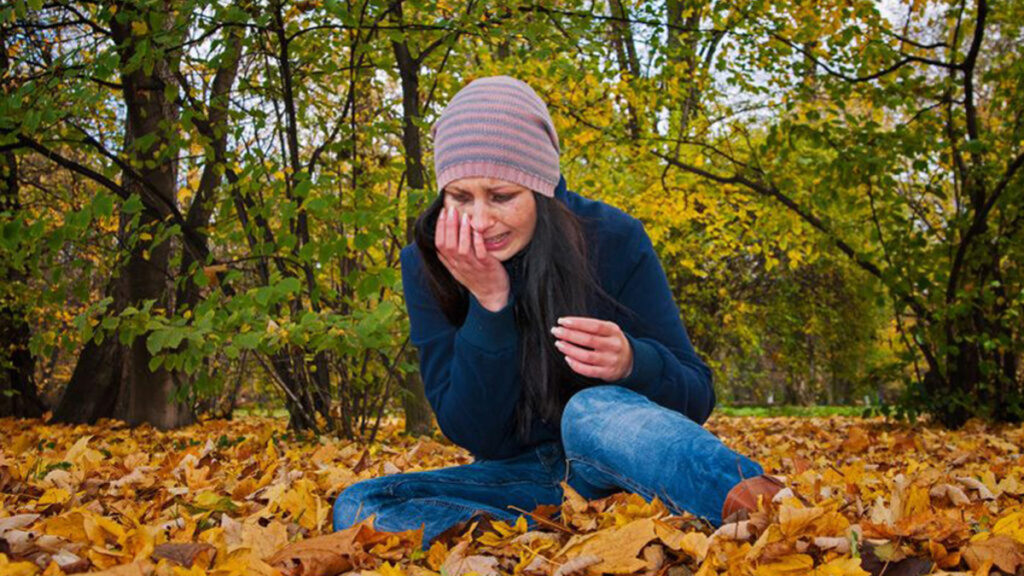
(565, 321)
(556, 330)
(465, 218)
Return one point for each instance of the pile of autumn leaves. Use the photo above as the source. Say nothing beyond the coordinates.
(249, 498)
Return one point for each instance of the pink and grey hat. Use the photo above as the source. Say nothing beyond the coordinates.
(497, 127)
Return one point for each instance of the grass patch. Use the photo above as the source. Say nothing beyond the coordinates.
(264, 412)
(794, 411)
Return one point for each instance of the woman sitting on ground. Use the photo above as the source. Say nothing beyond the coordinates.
(550, 345)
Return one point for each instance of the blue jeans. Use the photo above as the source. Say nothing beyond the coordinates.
(613, 439)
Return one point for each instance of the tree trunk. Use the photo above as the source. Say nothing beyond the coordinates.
(111, 379)
(629, 63)
(18, 396)
(414, 399)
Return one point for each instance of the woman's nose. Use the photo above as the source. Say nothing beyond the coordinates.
(480, 217)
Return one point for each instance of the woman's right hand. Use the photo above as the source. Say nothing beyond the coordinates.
(461, 250)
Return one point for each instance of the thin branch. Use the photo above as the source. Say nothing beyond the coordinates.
(817, 223)
(968, 69)
(906, 59)
(192, 242)
(912, 42)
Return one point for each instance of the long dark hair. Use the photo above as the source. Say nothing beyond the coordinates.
(557, 280)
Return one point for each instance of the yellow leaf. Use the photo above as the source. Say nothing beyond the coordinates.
(8, 568)
(841, 567)
(436, 555)
(794, 564)
(101, 530)
(82, 456)
(386, 569)
(302, 504)
(618, 547)
(54, 496)
(1011, 525)
(693, 544)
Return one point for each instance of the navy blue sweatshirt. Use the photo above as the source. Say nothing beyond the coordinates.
(471, 372)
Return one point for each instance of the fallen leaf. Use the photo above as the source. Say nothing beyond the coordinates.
(617, 547)
(857, 440)
(693, 544)
(140, 568)
(952, 493)
(792, 565)
(577, 564)
(458, 563)
(186, 554)
(983, 491)
(1000, 551)
(325, 555)
(841, 567)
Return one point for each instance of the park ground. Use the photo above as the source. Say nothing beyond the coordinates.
(242, 497)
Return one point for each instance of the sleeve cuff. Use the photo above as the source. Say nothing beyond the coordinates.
(647, 365)
(490, 331)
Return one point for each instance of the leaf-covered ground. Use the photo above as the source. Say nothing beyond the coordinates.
(248, 497)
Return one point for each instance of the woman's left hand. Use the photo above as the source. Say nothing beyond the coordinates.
(594, 348)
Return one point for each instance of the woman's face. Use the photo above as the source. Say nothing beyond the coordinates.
(504, 213)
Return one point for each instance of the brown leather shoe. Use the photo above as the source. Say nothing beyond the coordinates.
(745, 495)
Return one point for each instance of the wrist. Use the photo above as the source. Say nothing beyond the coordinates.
(493, 303)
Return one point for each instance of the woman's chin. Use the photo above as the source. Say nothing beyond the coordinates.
(506, 253)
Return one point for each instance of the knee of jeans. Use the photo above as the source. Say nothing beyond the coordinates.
(585, 415)
(357, 502)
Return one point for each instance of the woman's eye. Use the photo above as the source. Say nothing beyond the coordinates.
(503, 197)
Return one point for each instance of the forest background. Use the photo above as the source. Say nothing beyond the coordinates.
(204, 202)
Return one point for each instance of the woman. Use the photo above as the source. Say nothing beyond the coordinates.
(550, 345)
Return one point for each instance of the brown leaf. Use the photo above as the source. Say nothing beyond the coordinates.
(458, 563)
(888, 560)
(857, 441)
(577, 564)
(1000, 551)
(186, 554)
(140, 568)
(576, 510)
(326, 555)
(974, 484)
(952, 493)
(617, 547)
(264, 541)
(694, 544)
(654, 555)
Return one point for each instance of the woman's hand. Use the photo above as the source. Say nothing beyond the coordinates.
(595, 348)
(461, 250)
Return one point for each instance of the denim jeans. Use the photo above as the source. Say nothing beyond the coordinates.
(613, 439)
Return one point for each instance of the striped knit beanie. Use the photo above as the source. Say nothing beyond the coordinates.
(497, 127)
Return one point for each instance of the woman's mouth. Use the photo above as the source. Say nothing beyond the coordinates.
(497, 242)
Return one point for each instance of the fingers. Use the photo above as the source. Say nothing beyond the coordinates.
(592, 347)
(589, 370)
(478, 245)
(594, 358)
(588, 339)
(451, 234)
(592, 325)
(465, 236)
(439, 230)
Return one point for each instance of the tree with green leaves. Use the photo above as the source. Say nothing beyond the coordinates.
(898, 138)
